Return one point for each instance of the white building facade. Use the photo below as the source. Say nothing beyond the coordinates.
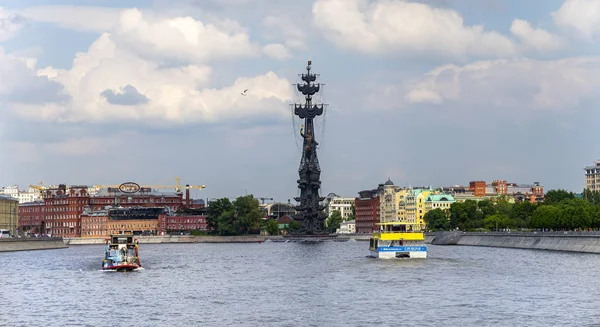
(22, 196)
(592, 176)
(341, 204)
(347, 227)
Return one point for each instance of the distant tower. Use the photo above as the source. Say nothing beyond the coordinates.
(309, 210)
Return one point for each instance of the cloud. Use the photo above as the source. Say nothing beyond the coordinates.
(10, 24)
(151, 72)
(536, 38)
(79, 18)
(277, 51)
(181, 39)
(19, 83)
(387, 26)
(285, 28)
(127, 96)
(559, 85)
(581, 16)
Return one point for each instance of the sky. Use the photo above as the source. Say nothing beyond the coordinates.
(434, 92)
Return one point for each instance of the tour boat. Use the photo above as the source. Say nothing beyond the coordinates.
(121, 253)
(398, 240)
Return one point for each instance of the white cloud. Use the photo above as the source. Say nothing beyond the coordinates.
(80, 18)
(182, 39)
(396, 25)
(423, 95)
(179, 94)
(536, 38)
(512, 84)
(583, 16)
(10, 24)
(286, 29)
(152, 70)
(277, 51)
(19, 83)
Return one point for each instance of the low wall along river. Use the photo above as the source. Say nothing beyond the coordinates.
(556, 241)
(28, 244)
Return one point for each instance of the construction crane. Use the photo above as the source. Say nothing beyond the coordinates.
(40, 188)
(263, 200)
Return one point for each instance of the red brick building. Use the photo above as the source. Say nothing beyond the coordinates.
(500, 186)
(181, 224)
(477, 187)
(32, 217)
(366, 209)
(60, 213)
(62, 208)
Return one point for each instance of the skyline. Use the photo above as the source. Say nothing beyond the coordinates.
(432, 93)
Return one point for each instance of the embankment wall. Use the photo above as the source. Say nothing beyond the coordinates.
(28, 244)
(201, 239)
(555, 241)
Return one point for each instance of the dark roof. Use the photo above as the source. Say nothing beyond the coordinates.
(389, 182)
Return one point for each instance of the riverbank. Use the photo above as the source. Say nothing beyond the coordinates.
(30, 244)
(204, 239)
(586, 242)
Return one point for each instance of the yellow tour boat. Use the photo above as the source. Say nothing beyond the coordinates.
(398, 240)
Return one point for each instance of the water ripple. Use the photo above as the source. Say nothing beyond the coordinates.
(292, 284)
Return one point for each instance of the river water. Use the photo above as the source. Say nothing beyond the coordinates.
(291, 284)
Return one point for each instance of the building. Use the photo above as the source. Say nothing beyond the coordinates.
(439, 201)
(32, 217)
(62, 209)
(279, 209)
(13, 191)
(94, 223)
(64, 205)
(342, 204)
(366, 207)
(592, 176)
(478, 188)
(347, 227)
(387, 201)
(9, 214)
(181, 224)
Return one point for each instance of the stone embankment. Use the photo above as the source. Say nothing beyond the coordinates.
(29, 244)
(588, 242)
(201, 239)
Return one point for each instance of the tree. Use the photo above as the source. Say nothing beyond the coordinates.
(497, 221)
(225, 223)
(521, 213)
(293, 226)
(557, 196)
(334, 220)
(215, 210)
(436, 219)
(248, 216)
(271, 226)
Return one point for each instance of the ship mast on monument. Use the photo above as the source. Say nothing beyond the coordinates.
(310, 212)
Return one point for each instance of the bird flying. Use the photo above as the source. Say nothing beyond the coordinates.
(244, 93)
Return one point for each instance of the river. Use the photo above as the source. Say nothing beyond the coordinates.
(292, 284)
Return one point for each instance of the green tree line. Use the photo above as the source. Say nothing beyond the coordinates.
(241, 216)
(561, 210)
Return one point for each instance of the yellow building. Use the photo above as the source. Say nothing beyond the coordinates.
(387, 201)
(9, 214)
(401, 208)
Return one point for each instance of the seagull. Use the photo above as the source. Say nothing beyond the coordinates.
(244, 93)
